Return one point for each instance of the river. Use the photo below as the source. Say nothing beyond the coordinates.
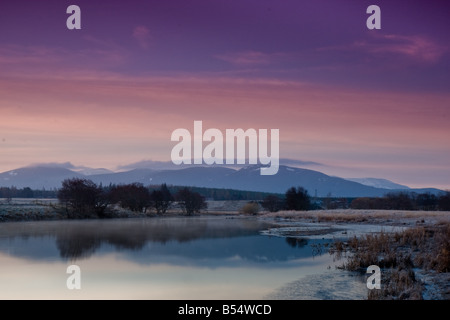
(203, 257)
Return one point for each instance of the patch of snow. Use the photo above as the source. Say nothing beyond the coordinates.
(378, 183)
(91, 171)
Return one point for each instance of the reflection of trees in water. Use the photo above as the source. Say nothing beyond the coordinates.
(83, 246)
(77, 248)
(131, 242)
(81, 239)
(296, 242)
(77, 244)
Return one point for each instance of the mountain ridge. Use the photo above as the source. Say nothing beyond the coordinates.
(247, 178)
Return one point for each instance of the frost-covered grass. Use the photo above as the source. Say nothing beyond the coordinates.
(51, 209)
(29, 210)
(421, 250)
(399, 255)
(396, 217)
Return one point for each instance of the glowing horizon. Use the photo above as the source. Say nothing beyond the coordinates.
(365, 103)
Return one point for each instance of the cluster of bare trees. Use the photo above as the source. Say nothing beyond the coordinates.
(295, 199)
(138, 198)
(82, 198)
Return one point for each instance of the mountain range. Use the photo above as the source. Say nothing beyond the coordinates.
(246, 178)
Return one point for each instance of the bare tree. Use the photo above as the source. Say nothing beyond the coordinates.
(161, 199)
(132, 196)
(190, 202)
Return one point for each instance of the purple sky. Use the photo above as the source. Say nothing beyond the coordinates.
(363, 102)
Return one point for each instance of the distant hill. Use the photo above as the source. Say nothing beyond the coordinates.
(247, 178)
(378, 183)
(37, 177)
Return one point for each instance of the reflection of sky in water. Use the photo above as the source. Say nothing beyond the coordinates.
(219, 259)
(242, 250)
(259, 251)
(106, 277)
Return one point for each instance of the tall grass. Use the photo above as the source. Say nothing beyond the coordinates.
(398, 254)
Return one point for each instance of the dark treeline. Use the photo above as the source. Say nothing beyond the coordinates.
(405, 201)
(13, 192)
(293, 199)
(298, 199)
(208, 193)
(221, 194)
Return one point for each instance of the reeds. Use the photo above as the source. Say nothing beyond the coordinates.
(397, 254)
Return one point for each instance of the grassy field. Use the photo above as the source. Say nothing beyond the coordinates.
(29, 209)
(386, 217)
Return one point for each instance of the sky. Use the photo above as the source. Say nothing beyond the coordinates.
(357, 102)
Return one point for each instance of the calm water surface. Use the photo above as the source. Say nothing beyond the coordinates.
(166, 258)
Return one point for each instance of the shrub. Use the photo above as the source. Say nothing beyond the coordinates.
(250, 208)
(272, 203)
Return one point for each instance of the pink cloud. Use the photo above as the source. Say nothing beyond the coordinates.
(120, 119)
(13, 54)
(39, 60)
(416, 47)
(142, 35)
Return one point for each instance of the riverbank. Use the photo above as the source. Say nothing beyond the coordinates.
(49, 209)
(412, 248)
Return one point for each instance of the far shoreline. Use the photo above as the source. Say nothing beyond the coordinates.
(25, 209)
